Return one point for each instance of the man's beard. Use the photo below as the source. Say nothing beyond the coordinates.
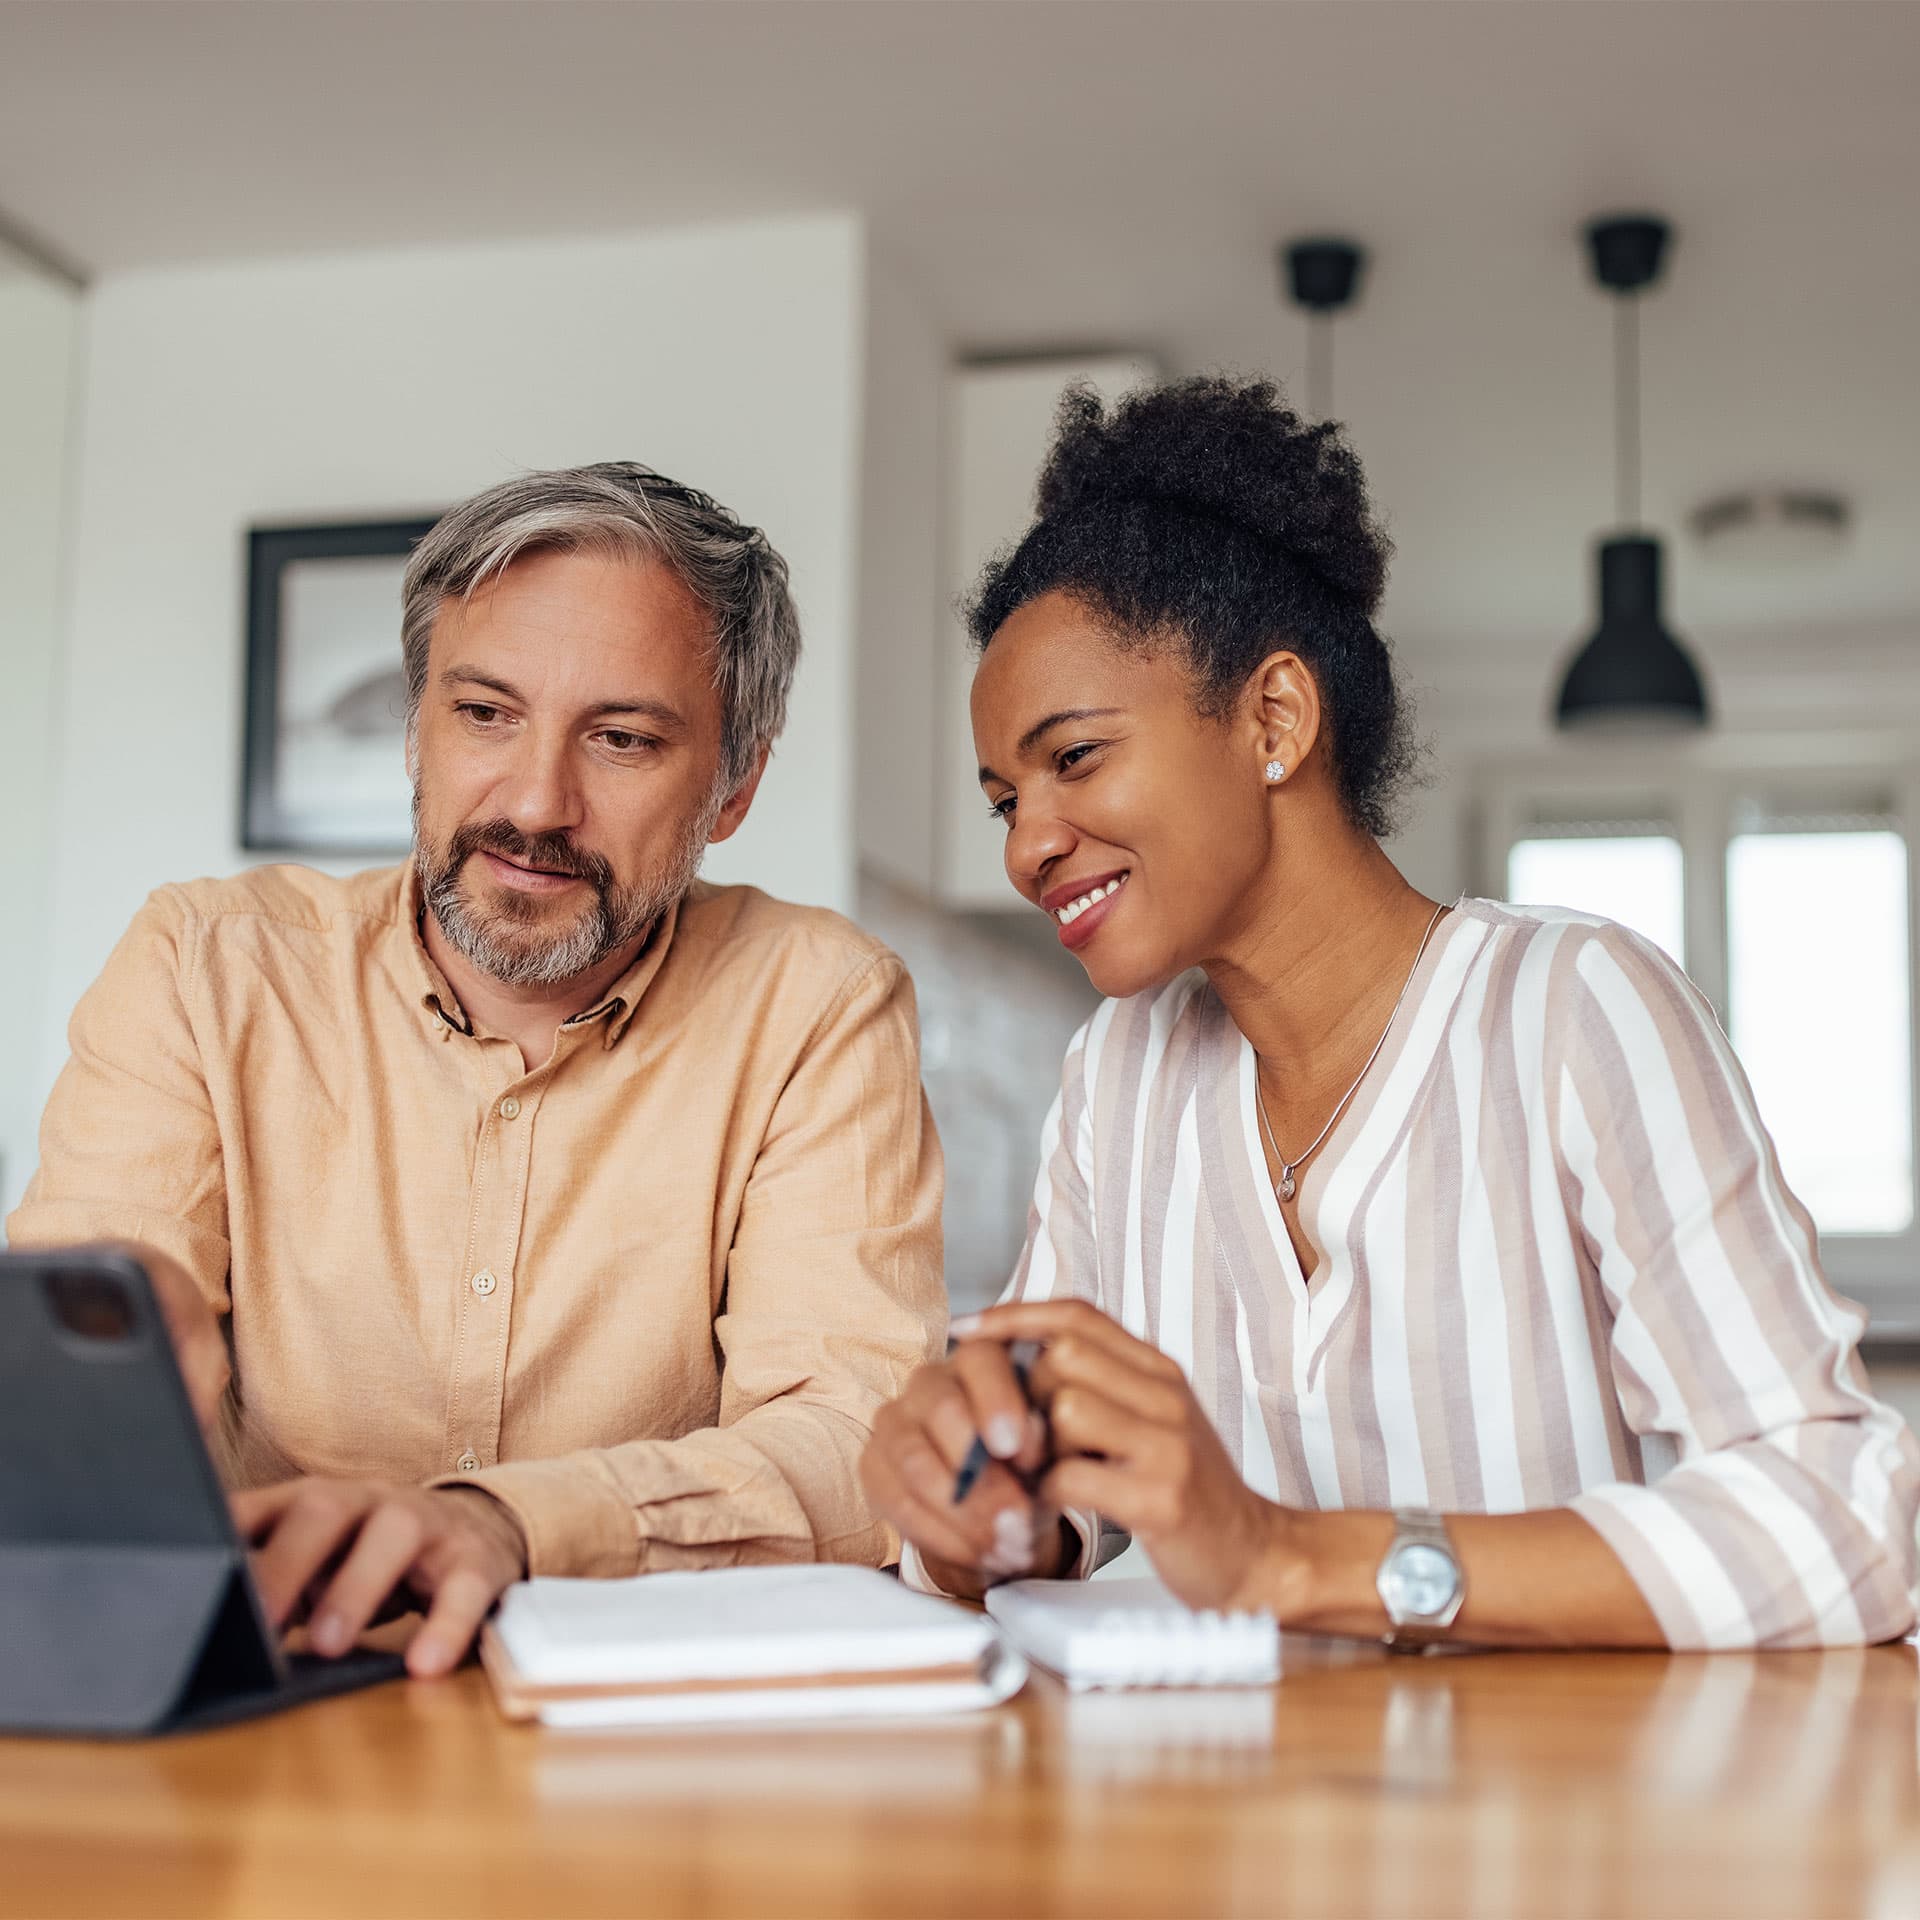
(504, 937)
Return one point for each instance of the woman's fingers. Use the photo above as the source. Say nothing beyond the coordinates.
(921, 1442)
(909, 1478)
(1159, 1393)
(1051, 1320)
(1104, 1487)
(947, 1418)
(996, 1401)
(911, 1481)
(975, 1394)
(1086, 1421)
(921, 1506)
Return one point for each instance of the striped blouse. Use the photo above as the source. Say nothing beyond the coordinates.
(1559, 1267)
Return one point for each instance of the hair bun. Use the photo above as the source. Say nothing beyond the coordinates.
(1231, 451)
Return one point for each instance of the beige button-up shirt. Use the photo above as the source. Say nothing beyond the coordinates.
(649, 1294)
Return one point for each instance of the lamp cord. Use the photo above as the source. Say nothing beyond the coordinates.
(1319, 364)
(1626, 410)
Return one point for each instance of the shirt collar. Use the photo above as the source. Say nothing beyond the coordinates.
(441, 1007)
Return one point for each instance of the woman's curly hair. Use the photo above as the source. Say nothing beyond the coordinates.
(1207, 516)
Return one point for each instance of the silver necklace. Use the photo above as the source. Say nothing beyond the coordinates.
(1285, 1185)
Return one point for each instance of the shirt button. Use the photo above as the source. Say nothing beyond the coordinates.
(509, 1108)
(468, 1463)
(484, 1282)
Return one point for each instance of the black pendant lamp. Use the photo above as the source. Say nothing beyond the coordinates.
(1633, 675)
(1322, 276)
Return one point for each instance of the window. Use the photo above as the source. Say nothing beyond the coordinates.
(1817, 971)
(1786, 896)
(1629, 871)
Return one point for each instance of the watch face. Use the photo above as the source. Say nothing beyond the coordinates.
(1419, 1582)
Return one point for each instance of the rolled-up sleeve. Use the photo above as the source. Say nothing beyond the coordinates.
(833, 1296)
(129, 1144)
(1781, 1495)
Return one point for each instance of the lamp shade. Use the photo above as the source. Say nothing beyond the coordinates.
(1632, 675)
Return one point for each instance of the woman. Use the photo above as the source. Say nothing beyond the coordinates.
(1401, 1269)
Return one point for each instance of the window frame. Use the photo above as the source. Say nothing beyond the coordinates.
(1703, 804)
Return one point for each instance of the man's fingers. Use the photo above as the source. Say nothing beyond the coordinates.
(255, 1511)
(387, 1546)
(460, 1603)
(318, 1522)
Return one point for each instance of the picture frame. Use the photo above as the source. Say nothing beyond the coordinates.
(323, 764)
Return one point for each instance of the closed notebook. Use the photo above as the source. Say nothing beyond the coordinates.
(739, 1643)
(1134, 1633)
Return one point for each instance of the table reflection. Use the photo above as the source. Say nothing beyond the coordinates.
(1485, 1784)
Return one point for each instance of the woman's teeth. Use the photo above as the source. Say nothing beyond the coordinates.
(1072, 911)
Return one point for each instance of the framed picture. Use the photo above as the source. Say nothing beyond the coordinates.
(325, 765)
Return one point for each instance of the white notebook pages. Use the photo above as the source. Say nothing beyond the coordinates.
(740, 1643)
(1134, 1633)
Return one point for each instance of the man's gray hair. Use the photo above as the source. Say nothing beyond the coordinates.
(618, 506)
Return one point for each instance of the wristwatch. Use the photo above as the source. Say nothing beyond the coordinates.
(1419, 1583)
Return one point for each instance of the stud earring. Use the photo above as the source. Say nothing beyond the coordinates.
(1276, 771)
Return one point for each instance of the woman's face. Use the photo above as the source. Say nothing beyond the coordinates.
(1139, 824)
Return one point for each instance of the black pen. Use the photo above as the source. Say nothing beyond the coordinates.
(1022, 1353)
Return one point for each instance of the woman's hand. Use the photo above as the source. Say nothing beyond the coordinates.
(1001, 1531)
(1130, 1440)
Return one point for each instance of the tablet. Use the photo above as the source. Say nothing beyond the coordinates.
(126, 1604)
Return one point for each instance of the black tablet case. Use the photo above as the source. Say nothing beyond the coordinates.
(126, 1606)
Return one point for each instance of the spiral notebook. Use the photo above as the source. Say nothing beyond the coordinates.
(1133, 1633)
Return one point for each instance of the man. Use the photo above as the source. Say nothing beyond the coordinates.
(561, 1214)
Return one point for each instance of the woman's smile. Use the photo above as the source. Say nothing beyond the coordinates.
(1082, 907)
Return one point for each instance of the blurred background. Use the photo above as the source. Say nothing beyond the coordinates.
(315, 266)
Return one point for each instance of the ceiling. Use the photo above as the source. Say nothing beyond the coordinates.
(1054, 171)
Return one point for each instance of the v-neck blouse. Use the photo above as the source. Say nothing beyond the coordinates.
(1559, 1267)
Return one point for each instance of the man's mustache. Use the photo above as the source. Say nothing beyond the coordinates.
(549, 852)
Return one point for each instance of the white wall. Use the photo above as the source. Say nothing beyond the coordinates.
(902, 621)
(358, 386)
(38, 325)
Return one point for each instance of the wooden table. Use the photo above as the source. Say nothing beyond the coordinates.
(1475, 1785)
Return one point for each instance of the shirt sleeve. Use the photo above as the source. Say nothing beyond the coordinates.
(129, 1144)
(1786, 1517)
(1060, 1261)
(833, 1296)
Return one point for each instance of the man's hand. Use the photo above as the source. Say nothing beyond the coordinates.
(338, 1552)
(199, 1346)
